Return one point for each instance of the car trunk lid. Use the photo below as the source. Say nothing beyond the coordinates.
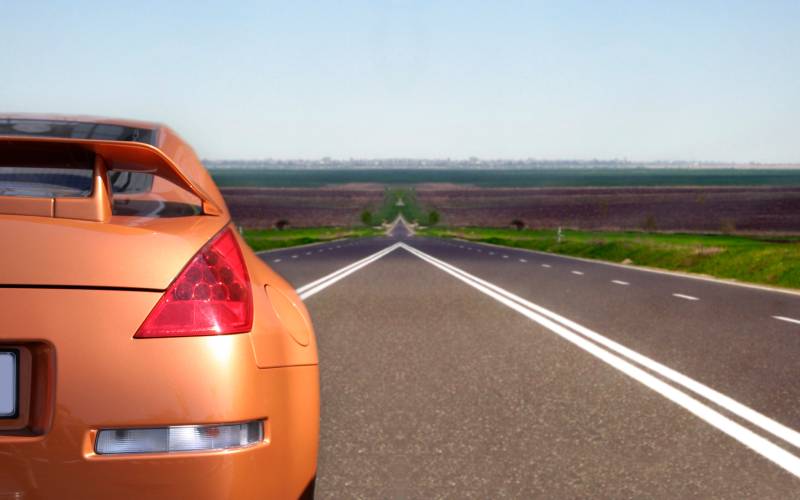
(126, 252)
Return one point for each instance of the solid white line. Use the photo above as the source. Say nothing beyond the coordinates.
(752, 416)
(618, 282)
(790, 320)
(682, 296)
(315, 286)
(578, 273)
(548, 319)
(546, 265)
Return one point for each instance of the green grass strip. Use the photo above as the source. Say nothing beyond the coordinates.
(267, 239)
(765, 260)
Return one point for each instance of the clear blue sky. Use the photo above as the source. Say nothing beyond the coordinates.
(643, 80)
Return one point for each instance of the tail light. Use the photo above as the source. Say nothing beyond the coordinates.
(211, 295)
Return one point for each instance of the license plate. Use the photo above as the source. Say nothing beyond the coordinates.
(8, 384)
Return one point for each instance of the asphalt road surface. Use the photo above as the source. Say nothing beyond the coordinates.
(459, 370)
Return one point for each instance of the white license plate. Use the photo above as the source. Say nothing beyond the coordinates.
(8, 384)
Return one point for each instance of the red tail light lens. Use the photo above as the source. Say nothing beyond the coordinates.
(211, 296)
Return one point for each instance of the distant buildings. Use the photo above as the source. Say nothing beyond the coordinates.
(472, 162)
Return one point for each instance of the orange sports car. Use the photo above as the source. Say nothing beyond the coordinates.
(145, 351)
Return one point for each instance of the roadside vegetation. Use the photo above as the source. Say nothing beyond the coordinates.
(766, 260)
(267, 239)
(404, 201)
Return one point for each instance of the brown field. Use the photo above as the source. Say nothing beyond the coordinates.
(302, 207)
(701, 209)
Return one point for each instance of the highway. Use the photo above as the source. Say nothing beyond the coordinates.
(452, 369)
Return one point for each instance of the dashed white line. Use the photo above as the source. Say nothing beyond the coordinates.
(578, 273)
(546, 265)
(276, 260)
(308, 253)
(294, 256)
(491, 253)
(788, 320)
(523, 260)
(682, 296)
(580, 337)
(505, 256)
(618, 282)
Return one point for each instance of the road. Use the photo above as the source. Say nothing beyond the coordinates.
(453, 369)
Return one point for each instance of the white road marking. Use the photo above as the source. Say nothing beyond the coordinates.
(618, 282)
(546, 265)
(789, 320)
(578, 273)
(682, 296)
(308, 253)
(294, 256)
(505, 256)
(479, 250)
(320, 250)
(276, 260)
(315, 286)
(579, 336)
(523, 260)
(674, 274)
(491, 253)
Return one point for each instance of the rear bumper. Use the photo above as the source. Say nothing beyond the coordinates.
(62, 463)
(105, 379)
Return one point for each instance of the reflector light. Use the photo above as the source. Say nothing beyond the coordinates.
(211, 295)
(179, 438)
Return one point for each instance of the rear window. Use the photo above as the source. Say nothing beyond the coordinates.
(66, 182)
(134, 193)
(76, 130)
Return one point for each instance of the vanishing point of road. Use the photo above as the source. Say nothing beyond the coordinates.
(452, 369)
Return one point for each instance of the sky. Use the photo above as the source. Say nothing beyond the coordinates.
(643, 80)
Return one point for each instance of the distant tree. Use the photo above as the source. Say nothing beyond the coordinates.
(518, 224)
(281, 224)
(366, 217)
(433, 217)
(727, 226)
(649, 223)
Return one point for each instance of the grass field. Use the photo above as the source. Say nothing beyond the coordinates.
(544, 177)
(409, 207)
(267, 239)
(773, 261)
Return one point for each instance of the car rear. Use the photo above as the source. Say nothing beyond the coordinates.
(145, 351)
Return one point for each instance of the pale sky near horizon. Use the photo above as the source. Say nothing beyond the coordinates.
(641, 80)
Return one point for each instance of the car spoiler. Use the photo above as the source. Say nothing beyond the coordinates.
(19, 151)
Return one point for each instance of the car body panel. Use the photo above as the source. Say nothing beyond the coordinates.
(140, 252)
(72, 295)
